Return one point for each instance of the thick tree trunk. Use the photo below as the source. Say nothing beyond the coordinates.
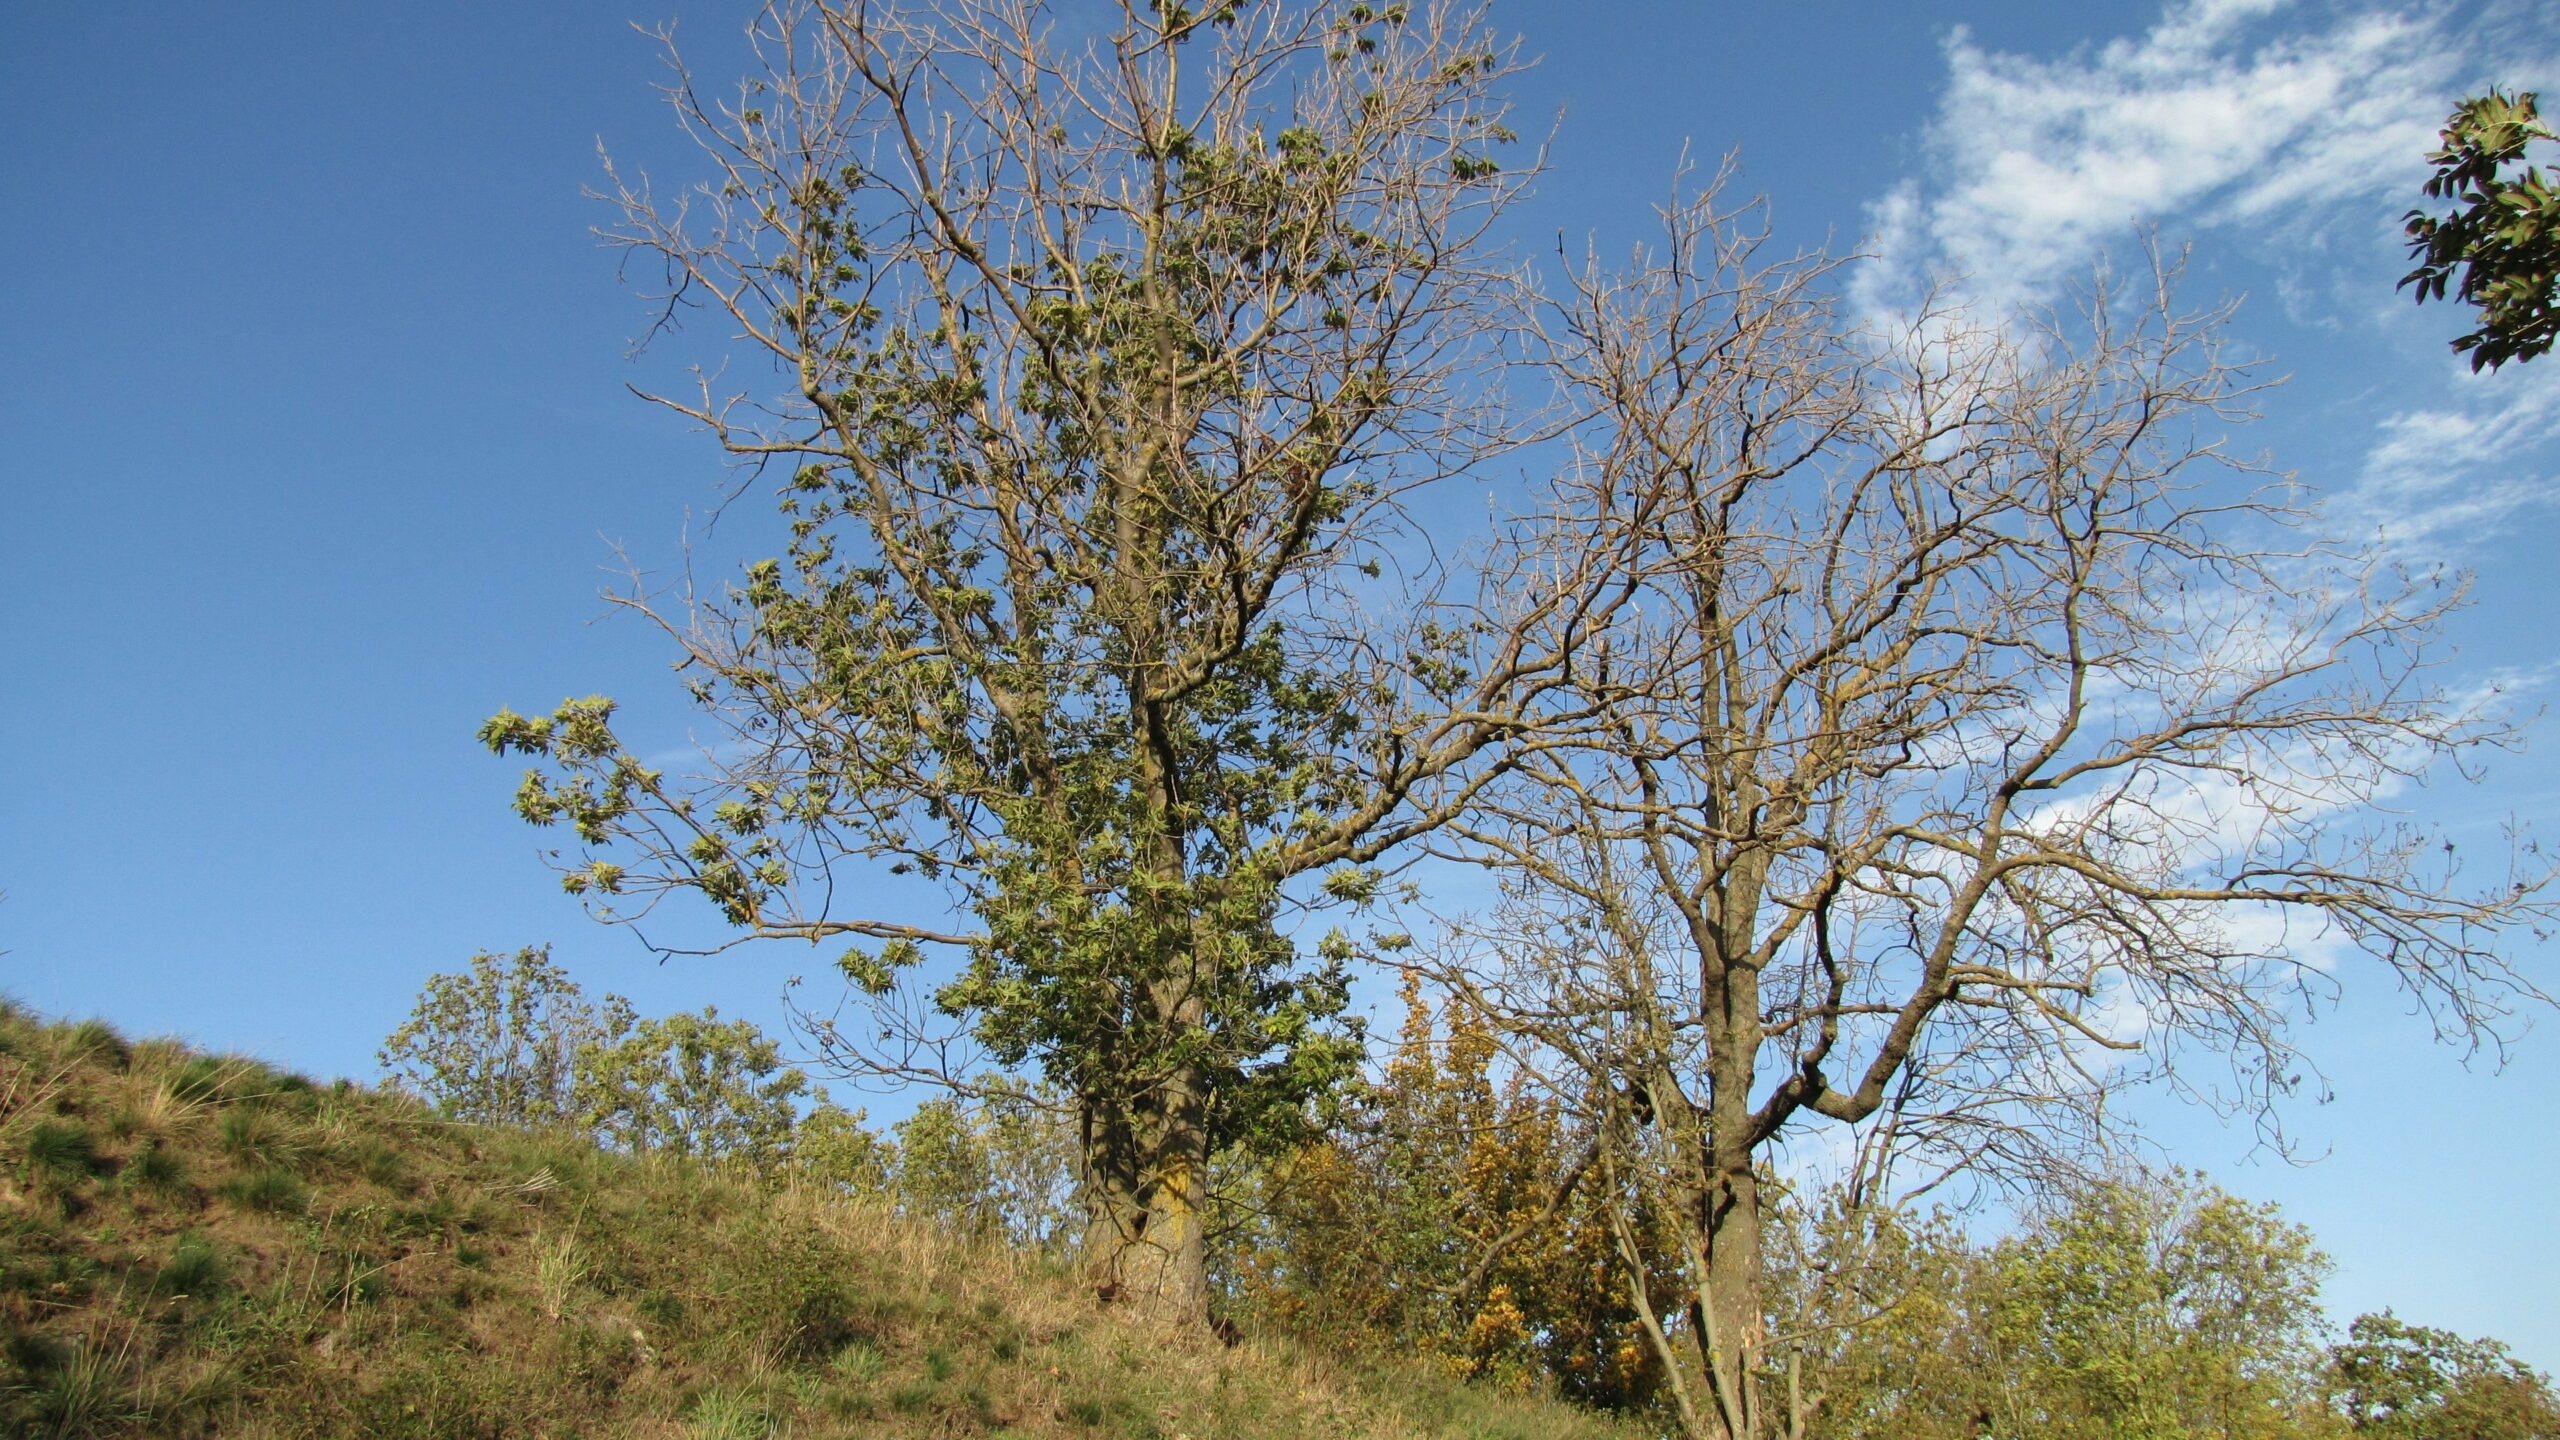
(1145, 1190)
(1732, 1330)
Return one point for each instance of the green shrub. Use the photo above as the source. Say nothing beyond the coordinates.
(786, 1287)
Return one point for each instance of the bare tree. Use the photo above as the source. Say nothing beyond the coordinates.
(1985, 733)
(1113, 345)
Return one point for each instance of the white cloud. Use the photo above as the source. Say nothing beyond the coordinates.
(2038, 166)
(2452, 471)
(2292, 129)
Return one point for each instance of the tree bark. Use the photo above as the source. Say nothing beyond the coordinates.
(1145, 1192)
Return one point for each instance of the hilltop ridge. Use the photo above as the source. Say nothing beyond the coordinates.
(201, 1245)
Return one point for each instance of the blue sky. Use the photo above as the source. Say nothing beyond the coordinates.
(318, 451)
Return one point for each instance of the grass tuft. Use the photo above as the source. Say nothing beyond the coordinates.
(203, 1077)
(557, 1272)
(728, 1415)
(858, 1363)
(194, 1268)
(88, 1393)
(257, 1134)
(96, 1042)
(154, 1170)
(62, 1151)
(271, 1188)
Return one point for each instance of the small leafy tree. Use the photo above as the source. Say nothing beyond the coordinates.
(690, 1085)
(1429, 1223)
(2397, 1381)
(2132, 1307)
(942, 1172)
(1030, 1141)
(836, 1147)
(2159, 1307)
(1004, 1164)
(1875, 1311)
(2503, 240)
(498, 1043)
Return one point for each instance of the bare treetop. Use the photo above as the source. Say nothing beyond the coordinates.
(1988, 728)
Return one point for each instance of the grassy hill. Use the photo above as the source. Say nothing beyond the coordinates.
(202, 1245)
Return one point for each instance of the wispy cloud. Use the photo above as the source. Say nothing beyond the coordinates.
(2290, 130)
(2449, 472)
(2215, 116)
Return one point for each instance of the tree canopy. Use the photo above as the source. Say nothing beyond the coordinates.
(1109, 369)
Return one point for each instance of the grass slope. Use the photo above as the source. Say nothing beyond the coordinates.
(202, 1245)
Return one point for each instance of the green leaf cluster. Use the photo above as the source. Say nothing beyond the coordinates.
(2502, 240)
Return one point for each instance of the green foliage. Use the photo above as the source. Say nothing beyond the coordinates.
(834, 1147)
(2503, 238)
(2398, 1381)
(2147, 1307)
(691, 1085)
(2158, 1307)
(943, 1174)
(2143, 1307)
(497, 1044)
(1005, 1166)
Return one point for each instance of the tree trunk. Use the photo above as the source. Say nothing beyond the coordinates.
(1732, 1333)
(1146, 1187)
(1732, 1329)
